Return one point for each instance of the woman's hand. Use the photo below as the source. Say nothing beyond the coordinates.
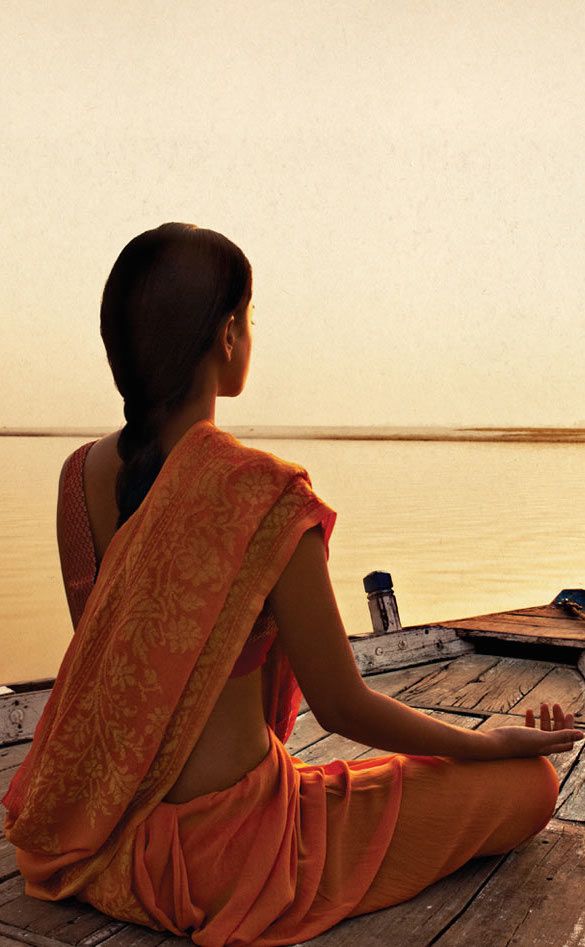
(526, 740)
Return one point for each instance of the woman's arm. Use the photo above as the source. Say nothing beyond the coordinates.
(316, 643)
(317, 646)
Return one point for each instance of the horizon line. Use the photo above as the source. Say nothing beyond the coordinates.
(372, 432)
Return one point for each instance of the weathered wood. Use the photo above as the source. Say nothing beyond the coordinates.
(14, 935)
(493, 690)
(543, 624)
(390, 682)
(67, 921)
(10, 889)
(571, 801)
(19, 714)
(534, 898)
(305, 732)
(414, 645)
(8, 864)
(13, 754)
(331, 747)
(563, 685)
(20, 937)
(5, 777)
(522, 637)
(440, 682)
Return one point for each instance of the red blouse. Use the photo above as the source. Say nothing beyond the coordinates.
(79, 563)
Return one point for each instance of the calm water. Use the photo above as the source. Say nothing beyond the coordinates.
(464, 529)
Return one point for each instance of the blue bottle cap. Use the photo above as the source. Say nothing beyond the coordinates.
(378, 582)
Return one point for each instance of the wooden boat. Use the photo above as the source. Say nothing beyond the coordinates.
(477, 672)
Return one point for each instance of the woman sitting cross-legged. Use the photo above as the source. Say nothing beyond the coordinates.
(158, 787)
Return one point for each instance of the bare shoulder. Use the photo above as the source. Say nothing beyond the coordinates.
(103, 454)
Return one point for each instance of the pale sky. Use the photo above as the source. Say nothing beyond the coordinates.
(406, 179)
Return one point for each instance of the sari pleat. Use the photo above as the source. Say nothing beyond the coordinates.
(291, 848)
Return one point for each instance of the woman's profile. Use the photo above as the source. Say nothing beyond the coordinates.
(158, 786)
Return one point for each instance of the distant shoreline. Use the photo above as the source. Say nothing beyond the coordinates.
(542, 435)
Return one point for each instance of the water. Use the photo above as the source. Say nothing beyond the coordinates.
(464, 529)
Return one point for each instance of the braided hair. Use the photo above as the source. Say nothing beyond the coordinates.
(164, 302)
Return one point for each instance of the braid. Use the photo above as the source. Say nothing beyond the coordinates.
(168, 294)
(142, 456)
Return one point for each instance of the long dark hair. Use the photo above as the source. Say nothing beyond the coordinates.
(163, 303)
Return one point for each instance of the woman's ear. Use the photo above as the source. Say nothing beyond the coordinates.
(228, 337)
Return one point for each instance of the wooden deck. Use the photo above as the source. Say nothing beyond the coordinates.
(479, 673)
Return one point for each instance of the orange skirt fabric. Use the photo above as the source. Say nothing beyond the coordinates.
(291, 848)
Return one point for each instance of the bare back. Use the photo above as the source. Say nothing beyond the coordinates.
(235, 738)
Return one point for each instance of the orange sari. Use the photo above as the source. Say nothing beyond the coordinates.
(291, 848)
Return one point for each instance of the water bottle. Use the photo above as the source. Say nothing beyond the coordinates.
(382, 603)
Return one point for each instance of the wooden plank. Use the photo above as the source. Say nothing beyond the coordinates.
(461, 684)
(27, 687)
(8, 865)
(138, 936)
(564, 685)
(415, 645)
(550, 618)
(545, 624)
(495, 690)
(5, 777)
(571, 801)
(331, 747)
(305, 732)
(67, 921)
(393, 681)
(13, 754)
(551, 612)
(19, 714)
(83, 924)
(535, 897)
(47, 923)
(522, 637)
(10, 889)
(12, 935)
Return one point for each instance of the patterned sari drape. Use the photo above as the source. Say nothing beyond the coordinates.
(178, 591)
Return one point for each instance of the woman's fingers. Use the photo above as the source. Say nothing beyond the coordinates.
(561, 720)
(559, 717)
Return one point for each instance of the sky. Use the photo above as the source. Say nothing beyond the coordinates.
(406, 179)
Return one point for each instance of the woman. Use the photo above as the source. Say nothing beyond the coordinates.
(157, 786)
